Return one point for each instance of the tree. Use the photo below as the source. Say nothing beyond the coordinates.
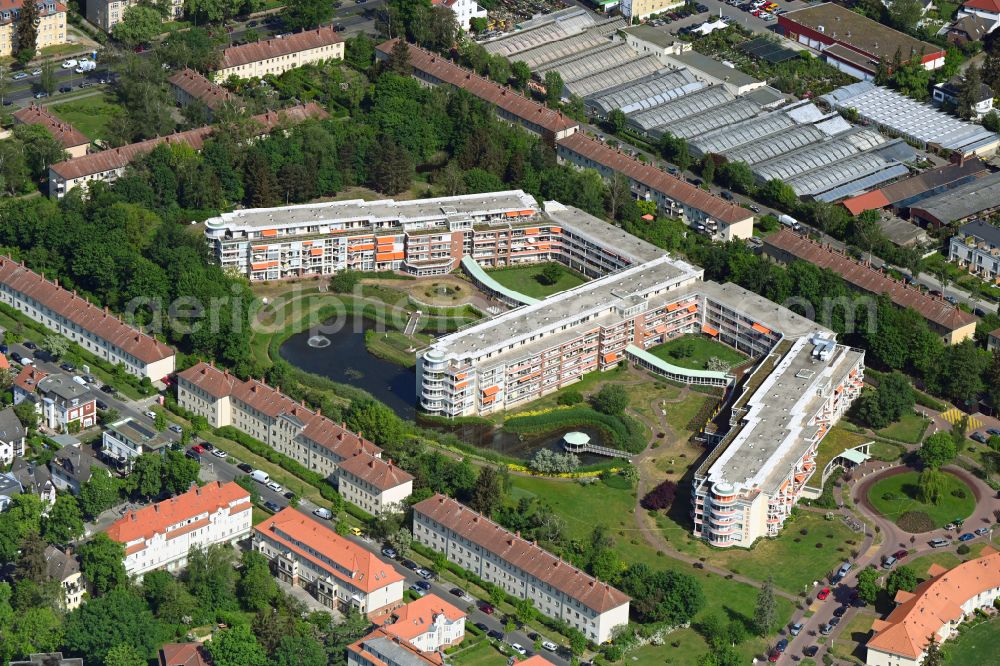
(675, 149)
(765, 611)
(888, 403)
(937, 450)
(737, 176)
(56, 344)
(139, 25)
(26, 414)
(22, 518)
(117, 618)
(970, 92)
(550, 274)
(612, 399)
(399, 58)
(931, 486)
(991, 121)
(307, 14)
(570, 397)
(160, 422)
(661, 497)
(553, 87)
(666, 596)
(778, 193)
(102, 562)
(525, 611)
(521, 73)
(124, 655)
(708, 169)
(617, 121)
(256, 588)
(868, 584)
(376, 422)
(32, 563)
(211, 577)
(932, 653)
(26, 31)
(180, 472)
(4, 82)
(146, 479)
(393, 172)
(99, 493)
(64, 522)
(354, 627)
(904, 14)
(488, 494)
(401, 541)
(299, 651)
(901, 578)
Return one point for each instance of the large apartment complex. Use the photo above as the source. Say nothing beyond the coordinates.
(338, 572)
(523, 569)
(279, 54)
(976, 248)
(161, 535)
(95, 330)
(266, 414)
(51, 25)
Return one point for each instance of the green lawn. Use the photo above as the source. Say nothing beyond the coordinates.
(679, 414)
(525, 279)
(482, 654)
(976, 646)
(910, 428)
(91, 115)
(896, 495)
(693, 351)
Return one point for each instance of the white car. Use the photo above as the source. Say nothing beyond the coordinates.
(79, 380)
(151, 414)
(550, 646)
(320, 512)
(219, 453)
(70, 64)
(275, 486)
(516, 647)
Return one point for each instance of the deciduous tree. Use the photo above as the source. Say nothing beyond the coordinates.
(901, 578)
(612, 399)
(120, 617)
(102, 561)
(488, 494)
(64, 522)
(868, 584)
(937, 450)
(765, 610)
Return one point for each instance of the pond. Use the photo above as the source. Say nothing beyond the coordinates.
(525, 446)
(345, 359)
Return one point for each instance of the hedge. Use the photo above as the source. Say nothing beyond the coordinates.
(622, 432)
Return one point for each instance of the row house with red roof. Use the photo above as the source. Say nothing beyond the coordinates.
(376, 485)
(522, 568)
(339, 573)
(94, 329)
(161, 535)
(267, 414)
(280, 54)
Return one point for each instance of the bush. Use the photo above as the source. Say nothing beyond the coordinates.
(660, 497)
(959, 493)
(547, 461)
(963, 549)
(611, 400)
(570, 398)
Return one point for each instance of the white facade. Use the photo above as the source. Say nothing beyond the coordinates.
(465, 11)
(126, 440)
(12, 435)
(375, 485)
(989, 14)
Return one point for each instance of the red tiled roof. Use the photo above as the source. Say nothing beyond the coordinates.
(522, 554)
(184, 654)
(235, 56)
(671, 186)
(27, 380)
(500, 96)
(868, 201)
(296, 531)
(118, 158)
(67, 135)
(83, 313)
(272, 402)
(866, 278)
(197, 86)
(416, 617)
(4, 363)
(156, 518)
(380, 473)
(11, 5)
(935, 603)
(984, 5)
(416, 657)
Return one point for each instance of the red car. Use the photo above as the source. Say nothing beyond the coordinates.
(900, 554)
(486, 608)
(823, 594)
(774, 656)
(199, 449)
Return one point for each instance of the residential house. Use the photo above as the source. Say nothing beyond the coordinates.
(949, 94)
(35, 479)
(988, 10)
(9, 488)
(105, 14)
(51, 25)
(161, 535)
(71, 467)
(71, 139)
(26, 384)
(374, 484)
(381, 648)
(976, 248)
(465, 11)
(75, 318)
(264, 413)
(520, 567)
(335, 570)
(184, 654)
(49, 659)
(126, 440)
(280, 54)
(65, 405)
(966, 29)
(12, 435)
(429, 624)
(62, 566)
(993, 340)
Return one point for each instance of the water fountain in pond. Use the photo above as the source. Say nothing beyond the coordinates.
(318, 341)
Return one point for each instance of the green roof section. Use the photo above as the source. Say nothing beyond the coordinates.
(477, 273)
(673, 370)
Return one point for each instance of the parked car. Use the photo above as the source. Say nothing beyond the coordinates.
(70, 64)
(486, 608)
(175, 428)
(420, 592)
(426, 574)
(150, 413)
(993, 432)
(4, 349)
(823, 594)
(550, 646)
(20, 76)
(939, 543)
(101, 404)
(979, 437)
(79, 380)
(109, 389)
(968, 536)
(275, 486)
(389, 552)
(272, 506)
(244, 467)
(423, 585)
(219, 453)
(457, 591)
(773, 656)
(91, 379)
(889, 562)
(839, 611)
(834, 621)
(951, 299)
(982, 530)
(199, 449)
(492, 633)
(65, 89)
(320, 512)
(28, 344)
(14, 356)
(826, 629)
(810, 651)
(727, 195)
(410, 564)
(481, 626)
(795, 629)
(68, 367)
(516, 647)
(781, 645)
(900, 554)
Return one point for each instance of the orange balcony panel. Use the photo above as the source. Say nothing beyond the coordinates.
(610, 358)
(709, 330)
(260, 248)
(461, 385)
(555, 230)
(362, 247)
(316, 252)
(662, 328)
(761, 329)
(491, 390)
(692, 308)
(673, 306)
(263, 265)
(384, 240)
(461, 375)
(269, 233)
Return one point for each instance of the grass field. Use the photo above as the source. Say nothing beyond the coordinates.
(910, 428)
(902, 492)
(976, 646)
(524, 279)
(481, 654)
(91, 115)
(583, 506)
(836, 442)
(698, 350)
